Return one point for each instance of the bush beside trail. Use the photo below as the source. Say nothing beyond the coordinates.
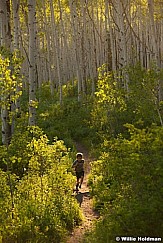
(38, 207)
(126, 184)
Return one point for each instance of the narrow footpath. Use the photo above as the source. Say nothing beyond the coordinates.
(85, 202)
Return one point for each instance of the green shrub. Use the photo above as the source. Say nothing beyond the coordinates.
(114, 106)
(16, 156)
(43, 208)
(68, 121)
(127, 186)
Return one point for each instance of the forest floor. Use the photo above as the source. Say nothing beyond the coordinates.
(83, 197)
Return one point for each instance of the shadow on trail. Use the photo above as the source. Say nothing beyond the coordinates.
(80, 196)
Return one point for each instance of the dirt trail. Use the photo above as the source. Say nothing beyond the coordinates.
(85, 202)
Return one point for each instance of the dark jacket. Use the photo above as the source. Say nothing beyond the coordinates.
(79, 166)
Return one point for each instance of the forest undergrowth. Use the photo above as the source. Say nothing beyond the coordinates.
(122, 133)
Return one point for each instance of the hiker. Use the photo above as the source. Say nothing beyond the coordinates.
(79, 169)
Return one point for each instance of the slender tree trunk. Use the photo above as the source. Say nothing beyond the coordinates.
(56, 48)
(15, 9)
(153, 35)
(5, 41)
(48, 49)
(112, 40)
(76, 47)
(65, 56)
(32, 47)
(155, 45)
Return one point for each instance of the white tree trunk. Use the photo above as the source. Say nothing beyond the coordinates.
(16, 47)
(32, 50)
(47, 34)
(15, 8)
(112, 38)
(5, 41)
(75, 34)
(155, 44)
(152, 33)
(56, 49)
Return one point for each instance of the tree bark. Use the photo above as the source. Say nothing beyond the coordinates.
(56, 49)
(47, 34)
(5, 41)
(75, 34)
(32, 47)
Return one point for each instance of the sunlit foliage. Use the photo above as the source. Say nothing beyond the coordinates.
(126, 183)
(42, 208)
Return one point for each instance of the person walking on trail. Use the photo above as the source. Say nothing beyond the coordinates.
(78, 164)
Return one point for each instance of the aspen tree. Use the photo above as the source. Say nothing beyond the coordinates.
(92, 47)
(56, 49)
(15, 9)
(83, 42)
(48, 48)
(32, 55)
(155, 44)
(75, 37)
(111, 33)
(40, 59)
(5, 41)
(120, 39)
(64, 49)
(161, 34)
(16, 47)
(153, 34)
